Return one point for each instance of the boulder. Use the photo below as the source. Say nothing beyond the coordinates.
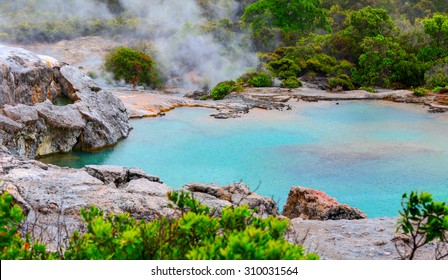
(24, 77)
(309, 204)
(32, 125)
(236, 194)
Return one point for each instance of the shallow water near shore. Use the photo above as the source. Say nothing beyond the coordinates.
(366, 154)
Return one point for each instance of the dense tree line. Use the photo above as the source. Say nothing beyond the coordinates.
(394, 44)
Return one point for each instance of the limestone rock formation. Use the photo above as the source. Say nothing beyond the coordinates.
(218, 197)
(310, 204)
(53, 196)
(33, 126)
(25, 78)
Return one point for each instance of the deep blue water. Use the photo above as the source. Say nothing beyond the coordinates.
(366, 154)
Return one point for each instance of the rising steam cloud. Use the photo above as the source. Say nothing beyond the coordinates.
(188, 56)
(191, 58)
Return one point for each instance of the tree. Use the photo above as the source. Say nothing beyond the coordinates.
(278, 18)
(302, 15)
(133, 66)
(437, 28)
(369, 22)
(385, 63)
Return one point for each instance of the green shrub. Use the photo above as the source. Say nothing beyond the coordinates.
(384, 62)
(12, 245)
(437, 76)
(246, 77)
(260, 80)
(419, 92)
(133, 66)
(436, 89)
(197, 235)
(284, 68)
(369, 89)
(291, 82)
(321, 64)
(342, 81)
(422, 221)
(237, 234)
(221, 90)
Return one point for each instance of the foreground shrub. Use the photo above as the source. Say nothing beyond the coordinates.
(12, 245)
(133, 66)
(422, 221)
(221, 90)
(197, 235)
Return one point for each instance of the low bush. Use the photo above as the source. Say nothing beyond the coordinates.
(133, 66)
(419, 92)
(284, 68)
(322, 64)
(341, 81)
(222, 89)
(237, 234)
(262, 79)
(369, 89)
(291, 82)
(197, 235)
(243, 79)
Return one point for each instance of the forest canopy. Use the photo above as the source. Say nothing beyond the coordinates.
(371, 43)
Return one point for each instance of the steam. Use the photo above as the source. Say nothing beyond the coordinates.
(40, 10)
(189, 56)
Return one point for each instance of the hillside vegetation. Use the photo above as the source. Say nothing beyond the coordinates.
(373, 43)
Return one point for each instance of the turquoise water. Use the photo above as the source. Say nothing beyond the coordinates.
(366, 154)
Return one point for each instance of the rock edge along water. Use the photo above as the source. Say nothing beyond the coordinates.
(33, 126)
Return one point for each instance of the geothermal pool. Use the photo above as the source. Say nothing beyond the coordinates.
(366, 154)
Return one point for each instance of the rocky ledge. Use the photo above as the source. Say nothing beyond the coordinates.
(150, 104)
(52, 196)
(31, 123)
